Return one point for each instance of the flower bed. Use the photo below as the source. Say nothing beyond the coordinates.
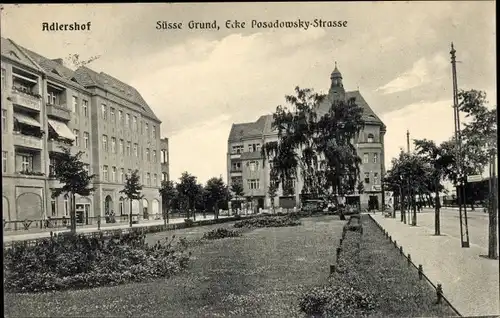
(269, 221)
(69, 262)
(371, 279)
(220, 233)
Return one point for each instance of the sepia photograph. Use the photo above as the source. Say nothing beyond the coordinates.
(281, 159)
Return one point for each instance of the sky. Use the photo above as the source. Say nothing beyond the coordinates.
(199, 82)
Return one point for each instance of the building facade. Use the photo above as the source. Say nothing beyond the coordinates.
(46, 105)
(246, 165)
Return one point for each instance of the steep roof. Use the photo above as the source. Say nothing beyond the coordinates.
(11, 50)
(253, 129)
(54, 69)
(88, 77)
(369, 115)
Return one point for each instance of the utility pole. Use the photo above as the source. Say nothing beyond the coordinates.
(464, 230)
(411, 192)
(408, 141)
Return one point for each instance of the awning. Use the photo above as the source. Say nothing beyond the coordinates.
(27, 120)
(61, 129)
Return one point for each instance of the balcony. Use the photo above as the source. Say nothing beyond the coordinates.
(27, 141)
(58, 111)
(54, 145)
(26, 100)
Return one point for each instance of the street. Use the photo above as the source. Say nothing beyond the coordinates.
(450, 224)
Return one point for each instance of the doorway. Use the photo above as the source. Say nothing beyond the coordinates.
(82, 213)
(373, 203)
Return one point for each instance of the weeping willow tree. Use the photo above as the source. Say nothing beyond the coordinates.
(318, 148)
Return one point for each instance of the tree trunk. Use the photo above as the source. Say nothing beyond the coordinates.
(216, 211)
(72, 214)
(401, 205)
(130, 213)
(493, 213)
(414, 208)
(437, 221)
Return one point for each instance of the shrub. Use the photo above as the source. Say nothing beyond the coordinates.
(188, 222)
(220, 233)
(68, 262)
(353, 227)
(336, 300)
(269, 221)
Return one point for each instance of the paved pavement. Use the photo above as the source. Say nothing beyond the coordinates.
(470, 282)
(21, 236)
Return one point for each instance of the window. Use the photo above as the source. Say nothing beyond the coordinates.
(85, 107)
(146, 130)
(163, 154)
(164, 176)
(236, 166)
(66, 206)
(250, 148)
(121, 146)
(113, 144)
(237, 149)
(154, 156)
(52, 163)
(4, 161)
(375, 157)
(51, 97)
(122, 175)
(367, 177)
(105, 173)
(4, 78)
(153, 132)
(148, 178)
(113, 174)
(136, 153)
(26, 163)
(257, 147)
(104, 112)
(86, 140)
(74, 104)
(4, 120)
(53, 206)
(105, 142)
(127, 120)
(76, 132)
(375, 178)
(370, 138)
(155, 179)
(120, 116)
(134, 125)
(365, 158)
(253, 184)
(112, 114)
(147, 154)
(129, 144)
(254, 165)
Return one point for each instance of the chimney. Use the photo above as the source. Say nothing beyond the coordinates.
(59, 61)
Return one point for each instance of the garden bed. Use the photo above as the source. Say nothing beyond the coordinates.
(371, 278)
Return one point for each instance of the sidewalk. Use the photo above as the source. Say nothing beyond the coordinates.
(470, 282)
(29, 236)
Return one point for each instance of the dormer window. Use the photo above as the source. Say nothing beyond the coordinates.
(370, 138)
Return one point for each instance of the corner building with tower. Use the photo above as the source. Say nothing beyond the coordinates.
(246, 165)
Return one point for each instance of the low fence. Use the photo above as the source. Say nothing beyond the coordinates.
(437, 288)
(143, 229)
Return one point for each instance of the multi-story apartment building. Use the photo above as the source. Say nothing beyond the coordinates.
(44, 105)
(246, 165)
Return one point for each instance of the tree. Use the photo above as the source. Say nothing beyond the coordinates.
(168, 194)
(237, 189)
(480, 138)
(439, 161)
(217, 192)
(132, 190)
(188, 191)
(70, 171)
(320, 148)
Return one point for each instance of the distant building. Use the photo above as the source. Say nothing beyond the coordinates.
(44, 105)
(246, 165)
